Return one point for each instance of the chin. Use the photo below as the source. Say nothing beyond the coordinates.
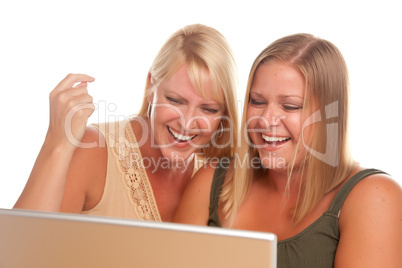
(273, 162)
(176, 157)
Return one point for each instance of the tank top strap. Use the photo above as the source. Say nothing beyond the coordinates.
(216, 189)
(340, 197)
(217, 182)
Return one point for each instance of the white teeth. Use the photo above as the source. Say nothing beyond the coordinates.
(180, 137)
(274, 139)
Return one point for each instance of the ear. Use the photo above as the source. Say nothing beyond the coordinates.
(149, 79)
(150, 95)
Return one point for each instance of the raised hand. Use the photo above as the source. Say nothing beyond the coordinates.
(70, 108)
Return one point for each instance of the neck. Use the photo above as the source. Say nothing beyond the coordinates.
(278, 180)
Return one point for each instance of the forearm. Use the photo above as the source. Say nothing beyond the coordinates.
(70, 107)
(45, 187)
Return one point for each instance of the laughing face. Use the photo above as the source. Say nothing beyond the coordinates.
(274, 114)
(182, 121)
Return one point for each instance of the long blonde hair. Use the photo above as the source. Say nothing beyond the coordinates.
(201, 48)
(327, 161)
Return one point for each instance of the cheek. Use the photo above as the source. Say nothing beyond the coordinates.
(165, 112)
(252, 117)
(210, 123)
(294, 125)
(307, 127)
(307, 134)
(252, 135)
(251, 126)
(250, 112)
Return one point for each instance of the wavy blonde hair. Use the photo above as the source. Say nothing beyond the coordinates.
(328, 162)
(202, 48)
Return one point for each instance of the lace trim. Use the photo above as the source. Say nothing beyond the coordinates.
(134, 175)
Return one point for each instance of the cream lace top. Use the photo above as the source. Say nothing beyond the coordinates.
(127, 192)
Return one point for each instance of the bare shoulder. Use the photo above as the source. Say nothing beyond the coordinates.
(378, 193)
(92, 148)
(370, 224)
(194, 204)
(375, 189)
(203, 177)
(200, 184)
(87, 173)
(140, 127)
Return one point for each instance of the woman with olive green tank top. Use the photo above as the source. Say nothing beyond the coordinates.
(316, 245)
(293, 172)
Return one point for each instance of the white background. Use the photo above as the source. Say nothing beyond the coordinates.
(116, 41)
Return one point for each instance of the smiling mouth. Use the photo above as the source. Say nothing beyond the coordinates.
(274, 141)
(179, 137)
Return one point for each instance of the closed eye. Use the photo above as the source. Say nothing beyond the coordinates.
(292, 107)
(210, 110)
(256, 102)
(173, 100)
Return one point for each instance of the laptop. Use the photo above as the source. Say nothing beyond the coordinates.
(44, 239)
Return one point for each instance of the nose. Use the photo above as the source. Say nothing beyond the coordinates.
(190, 119)
(270, 117)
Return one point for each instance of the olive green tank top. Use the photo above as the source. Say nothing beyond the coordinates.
(316, 245)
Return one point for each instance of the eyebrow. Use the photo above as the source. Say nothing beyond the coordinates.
(291, 96)
(280, 96)
(175, 95)
(180, 98)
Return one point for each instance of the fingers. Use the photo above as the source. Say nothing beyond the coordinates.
(68, 96)
(70, 108)
(64, 100)
(75, 88)
(69, 100)
(80, 84)
(71, 79)
(81, 99)
(82, 106)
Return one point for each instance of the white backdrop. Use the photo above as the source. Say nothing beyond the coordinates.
(42, 41)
